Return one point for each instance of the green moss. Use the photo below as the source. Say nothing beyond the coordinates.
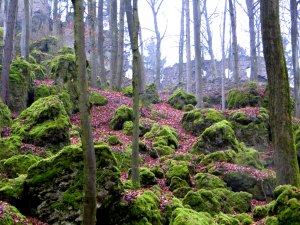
(220, 156)
(180, 98)
(38, 70)
(127, 91)
(259, 212)
(158, 171)
(9, 146)
(66, 100)
(18, 164)
(177, 182)
(65, 50)
(10, 215)
(208, 181)
(183, 216)
(188, 108)
(272, 221)
(42, 91)
(46, 44)
(181, 192)
(5, 116)
(178, 169)
(244, 219)
(123, 159)
(113, 140)
(219, 136)
(146, 205)
(248, 157)
(97, 99)
(122, 114)
(45, 122)
(147, 178)
(224, 219)
(150, 96)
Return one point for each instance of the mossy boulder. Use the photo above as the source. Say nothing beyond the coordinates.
(42, 91)
(122, 114)
(177, 182)
(10, 215)
(183, 216)
(188, 108)
(38, 70)
(218, 137)
(224, 219)
(196, 121)
(44, 123)
(5, 116)
(97, 99)
(54, 186)
(17, 164)
(208, 181)
(47, 44)
(128, 91)
(243, 97)
(220, 156)
(180, 98)
(260, 212)
(178, 169)
(113, 140)
(252, 130)
(244, 219)
(10, 146)
(150, 96)
(147, 178)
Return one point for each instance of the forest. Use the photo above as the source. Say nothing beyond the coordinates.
(102, 123)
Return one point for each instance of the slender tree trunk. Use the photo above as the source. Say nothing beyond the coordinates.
(295, 56)
(102, 71)
(181, 45)
(285, 158)
(92, 37)
(210, 43)
(89, 199)
(120, 47)
(133, 27)
(234, 42)
(25, 32)
(253, 55)
(188, 47)
(142, 73)
(113, 27)
(198, 75)
(8, 48)
(223, 75)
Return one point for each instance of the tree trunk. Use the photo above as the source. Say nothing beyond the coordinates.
(188, 48)
(8, 48)
(181, 45)
(120, 47)
(25, 32)
(210, 43)
(102, 71)
(295, 57)
(253, 55)
(92, 37)
(198, 75)
(286, 165)
(89, 199)
(133, 27)
(142, 73)
(223, 75)
(113, 27)
(232, 13)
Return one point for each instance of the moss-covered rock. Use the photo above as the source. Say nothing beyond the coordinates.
(246, 96)
(178, 169)
(259, 212)
(183, 216)
(5, 116)
(224, 219)
(47, 44)
(220, 156)
(150, 96)
(252, 130)
(218, 137)
(147, 178)
(44, 123)
(196, 121)
(122, 114)
(208, 181)
(38, 70)
(188, 108)
(127, 91)
(272, 220)
(113, 140)
(244, 219)
(97, 99)
(177, 182)
(10, 146)
(17, 164)
(158, 171)
(180, 98)
(54, 186)
(181, 191)
(10, 215)
(42, 91)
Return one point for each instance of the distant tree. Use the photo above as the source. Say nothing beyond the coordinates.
(197, 44)
(25, 32)
(285, 158)
(120, 47)
(133, 27)
(223, 57)
(181, 44)
(188, 47)
(113, 28)
(8, 47)
(232, 12)
(89, 189)
(295, 53)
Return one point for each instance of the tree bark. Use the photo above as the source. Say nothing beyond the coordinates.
(285, 158)
(198, 75)
(25, 32)
(102, 71)
(232, 13)
(133, 27)
(253, 54)
(89, 199)
(92, 37)
(7, 50)
(142, 73)
(113, 27)
(223, 75)
(181, 45)
(295, 56)
(188, 47)
(120, 47)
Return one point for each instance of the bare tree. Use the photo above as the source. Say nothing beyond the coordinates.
(285, 158)
(92, 37)
(102, 71)
(232, 13)
(181, 44)
(113, 28)
(295, 56)
(198, 75)
(25, 32)
(120, 47)
(188, 47)
(7, 51)
(155, 7)
(223, 58)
